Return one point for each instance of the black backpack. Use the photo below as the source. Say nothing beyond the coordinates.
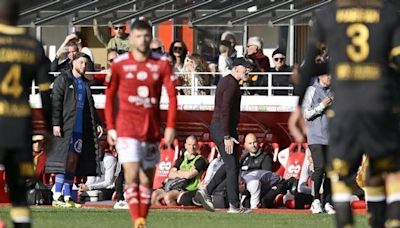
(39, 195)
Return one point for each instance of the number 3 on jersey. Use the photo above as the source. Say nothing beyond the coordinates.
(358, 50)
(11, 83)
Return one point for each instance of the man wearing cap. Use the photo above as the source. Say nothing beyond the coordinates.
(119, 42)
(223, 131)
(317, 100)
(279, 59)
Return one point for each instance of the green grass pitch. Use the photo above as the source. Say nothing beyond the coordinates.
(109, 218)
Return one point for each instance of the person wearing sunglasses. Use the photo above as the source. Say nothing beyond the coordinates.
(177, 53)
(118, 42)
(254, 52)
(157, 46)
(279, 59)
(39, 159)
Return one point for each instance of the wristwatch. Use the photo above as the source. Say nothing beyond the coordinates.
(227, 137)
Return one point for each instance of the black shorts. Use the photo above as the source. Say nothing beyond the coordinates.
(185, 198)
(375, 134)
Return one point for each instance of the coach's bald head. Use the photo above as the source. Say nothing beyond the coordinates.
(9, 10)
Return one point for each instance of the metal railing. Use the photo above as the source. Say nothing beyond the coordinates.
(196, 89)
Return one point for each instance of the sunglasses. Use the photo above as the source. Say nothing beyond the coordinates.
(119, 27)
(110, 60)
(36, 141)
(279, 59)
(178, 48)
(159, 49)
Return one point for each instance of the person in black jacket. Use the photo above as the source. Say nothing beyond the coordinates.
(22, 60)
(76, 127)
(223, 128)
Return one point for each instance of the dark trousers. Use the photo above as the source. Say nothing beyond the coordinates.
(231, 163)
(119, 185)
(218, 181)
(319, 156)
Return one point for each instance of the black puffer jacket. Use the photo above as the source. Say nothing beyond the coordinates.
(63, 114)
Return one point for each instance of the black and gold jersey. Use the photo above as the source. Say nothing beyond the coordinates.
(22, 60)
(363, 40)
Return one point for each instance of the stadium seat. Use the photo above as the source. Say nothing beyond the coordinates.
(3, 187)
(167, 158)
(292, 159)
(208, 150)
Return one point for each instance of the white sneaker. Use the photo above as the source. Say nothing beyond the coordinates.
(235, 210)
(329, 209)
(121, 204)
(316, 207)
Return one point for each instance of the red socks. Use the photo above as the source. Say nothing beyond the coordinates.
(145, 200)
(132, 198)
(139, 200)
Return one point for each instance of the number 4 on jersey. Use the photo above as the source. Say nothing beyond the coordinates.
(11, 83)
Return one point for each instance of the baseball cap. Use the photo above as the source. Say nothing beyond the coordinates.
(242, 61)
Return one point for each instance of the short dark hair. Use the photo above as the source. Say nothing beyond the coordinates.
(141, 24)
(79, 55)
(225, 43)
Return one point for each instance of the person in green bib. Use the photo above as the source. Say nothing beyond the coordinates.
(188, 169)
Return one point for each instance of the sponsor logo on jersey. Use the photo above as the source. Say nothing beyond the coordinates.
(143, 91)
(153, 67)
(155, 76)
(78, 146)
(129, 75)
(141, 75)
(128, 68)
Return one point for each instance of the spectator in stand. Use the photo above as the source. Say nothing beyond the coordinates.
(190, 167)
(119, 42)
(109, 172)
(82, 45)
(224, 61)
(254, 51)
(195, 63)
(317, 100)
(112, 54)
(39, 159)
(177, 53)
(157, 46)
(279, 59)
(229, 36)
(76, 128)
(63, 60)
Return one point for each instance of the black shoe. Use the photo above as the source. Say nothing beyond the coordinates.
(205, 200)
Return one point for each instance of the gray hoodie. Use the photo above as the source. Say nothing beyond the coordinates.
(314, 113)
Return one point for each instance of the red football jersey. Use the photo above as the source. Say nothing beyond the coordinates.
(136, 86)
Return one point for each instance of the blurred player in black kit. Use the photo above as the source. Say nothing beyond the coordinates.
(363, 37)
(22, 60)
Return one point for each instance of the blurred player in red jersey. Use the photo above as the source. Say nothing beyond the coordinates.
(135, 88)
